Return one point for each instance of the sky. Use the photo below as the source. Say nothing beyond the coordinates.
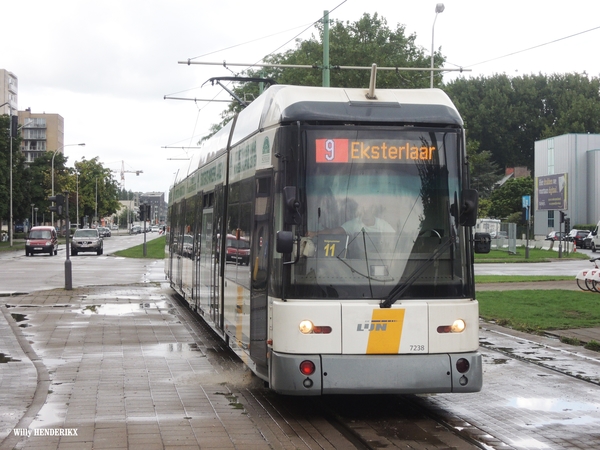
(107, 66)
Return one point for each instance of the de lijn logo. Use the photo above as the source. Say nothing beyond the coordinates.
(374, 325)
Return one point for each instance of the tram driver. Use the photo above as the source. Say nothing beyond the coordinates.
(366, 220)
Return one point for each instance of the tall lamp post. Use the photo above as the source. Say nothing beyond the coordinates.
(77, 201)
(10, 134)
(55, 152)
(438, 9)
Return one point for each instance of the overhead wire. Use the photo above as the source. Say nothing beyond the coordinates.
(528, 49)
(304, 29)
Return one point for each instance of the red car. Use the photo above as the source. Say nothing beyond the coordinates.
(237, 250)
(41, 240)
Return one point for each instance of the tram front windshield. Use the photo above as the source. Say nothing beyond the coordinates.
(380, 214)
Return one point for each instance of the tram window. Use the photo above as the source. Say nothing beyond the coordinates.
(209, 199)
(234, 193)
(262, 186)
(246, 190)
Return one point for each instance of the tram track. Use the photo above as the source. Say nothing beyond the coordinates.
(364, 422)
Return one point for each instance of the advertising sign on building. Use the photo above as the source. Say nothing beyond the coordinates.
(551, 192)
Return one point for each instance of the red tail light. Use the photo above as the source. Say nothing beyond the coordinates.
(462, 365)
(307, 368)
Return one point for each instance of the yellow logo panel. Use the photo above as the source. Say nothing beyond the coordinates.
(385, 331)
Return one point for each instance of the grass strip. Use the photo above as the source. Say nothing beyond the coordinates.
(155, 249)
(535, 311)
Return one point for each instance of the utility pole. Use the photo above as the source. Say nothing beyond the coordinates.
(123, 172)
(68, 272)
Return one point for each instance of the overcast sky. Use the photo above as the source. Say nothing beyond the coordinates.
(105, 66)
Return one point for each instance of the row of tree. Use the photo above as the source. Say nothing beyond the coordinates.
(92, 187)
(503, 115)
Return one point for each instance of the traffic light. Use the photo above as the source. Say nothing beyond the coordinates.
(562, 217)
(58, 204)
(567, 225)
(145, 211)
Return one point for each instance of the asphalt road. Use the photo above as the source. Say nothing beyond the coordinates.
(19, 273)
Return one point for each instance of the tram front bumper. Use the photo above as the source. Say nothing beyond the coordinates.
(376, 374)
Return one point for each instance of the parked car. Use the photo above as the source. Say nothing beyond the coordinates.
(87, 240)
(587, 241)
(555, 236)
(114, 226)
(41, 240)
(154, 229)
(577, 237)
(136, 229)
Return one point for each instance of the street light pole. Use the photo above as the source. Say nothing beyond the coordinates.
(77, 202)
(55, 152)
(438, 9)
(10, 135)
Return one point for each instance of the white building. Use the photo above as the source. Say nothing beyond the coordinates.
(577, 156)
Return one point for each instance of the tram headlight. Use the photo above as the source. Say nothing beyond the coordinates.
(306, 327)
(458, 326)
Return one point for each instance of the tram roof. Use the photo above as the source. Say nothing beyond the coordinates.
(408, 106)
(287, 104)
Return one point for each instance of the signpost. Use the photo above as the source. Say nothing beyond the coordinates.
(526, 199)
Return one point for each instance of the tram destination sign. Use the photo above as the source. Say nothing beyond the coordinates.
(372, 151)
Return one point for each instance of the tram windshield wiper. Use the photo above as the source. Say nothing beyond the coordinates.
(396, 293)
(365, 256)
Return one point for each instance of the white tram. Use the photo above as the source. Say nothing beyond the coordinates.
(358, 214)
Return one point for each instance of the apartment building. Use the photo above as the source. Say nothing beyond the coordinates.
(40, 132)
(8, 93)
(158, 211)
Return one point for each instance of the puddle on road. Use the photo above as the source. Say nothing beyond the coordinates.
(551, 405)
(19, 317)
(135, 298)
(50, 414)
(119, 309)
(6, 359)
(169, 349)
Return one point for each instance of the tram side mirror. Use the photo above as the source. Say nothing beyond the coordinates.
(292, 205)
(483, 243)
(284, 242)
(468, 209)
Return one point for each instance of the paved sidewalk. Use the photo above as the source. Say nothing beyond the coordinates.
(117, 367)
(119, 370)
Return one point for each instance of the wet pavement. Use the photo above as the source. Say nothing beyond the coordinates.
(116, 369)
(119, 367)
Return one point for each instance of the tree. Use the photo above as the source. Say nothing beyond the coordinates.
(98, 190)
(483, 170)
(508, 199)
(362, 43)
(4, 166)
(507, 115)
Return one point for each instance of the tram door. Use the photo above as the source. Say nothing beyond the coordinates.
(218, 264)
(260, 269)
(197, 248)
(207, 256)
(177, 239)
